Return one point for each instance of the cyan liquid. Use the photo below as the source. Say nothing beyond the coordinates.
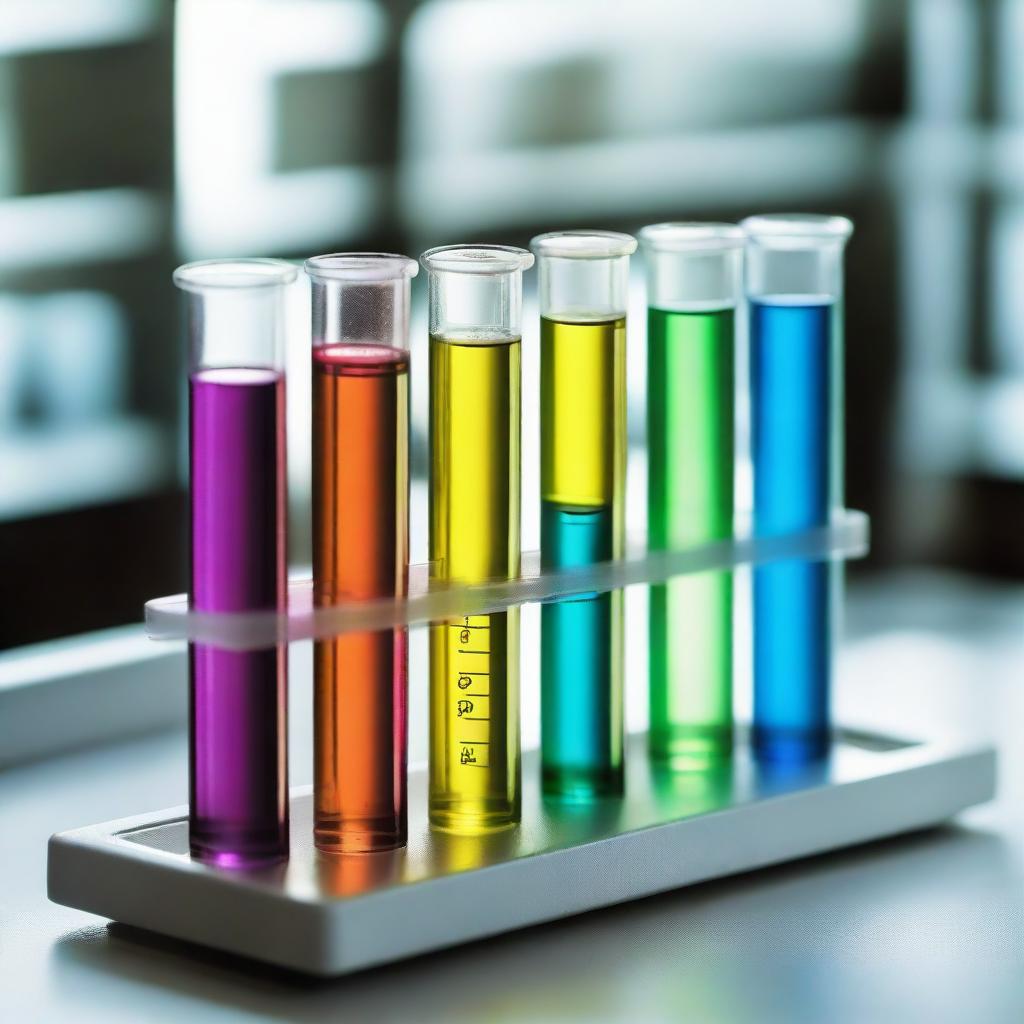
(581, 655)
(791, 346)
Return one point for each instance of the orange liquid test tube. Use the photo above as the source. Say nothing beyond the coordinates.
(360, 375)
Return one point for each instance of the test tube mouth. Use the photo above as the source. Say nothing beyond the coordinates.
(584, 245)
(692, 237)
(361, 267)
(476, 259)
(204, 275)
(797, 230)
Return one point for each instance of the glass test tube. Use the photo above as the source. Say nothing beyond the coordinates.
(795, 288)
(475, 381)
(360, 543)
(693, 287)
(584, 285)
(238, 796)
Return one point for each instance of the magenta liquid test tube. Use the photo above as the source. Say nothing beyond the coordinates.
(238, 783)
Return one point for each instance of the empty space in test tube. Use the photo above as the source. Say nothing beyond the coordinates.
(583, 285)
(794, 274)
(360, 370)
(694, 283)
(238, 812)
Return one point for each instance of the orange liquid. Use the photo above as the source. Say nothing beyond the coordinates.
(360, 550)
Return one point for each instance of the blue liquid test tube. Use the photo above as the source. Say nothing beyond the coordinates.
(794, 270)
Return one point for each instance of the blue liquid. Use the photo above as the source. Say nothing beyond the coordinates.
(581, 657)
(791, 400)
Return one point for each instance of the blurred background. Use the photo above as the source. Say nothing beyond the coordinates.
(138, 134)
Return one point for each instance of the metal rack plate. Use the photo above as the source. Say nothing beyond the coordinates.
(330, 915)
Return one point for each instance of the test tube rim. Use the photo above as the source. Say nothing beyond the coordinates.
(476, 258)
(361, 267)
(573, 244)
(692, 236)
(797, 230)
(234, 274)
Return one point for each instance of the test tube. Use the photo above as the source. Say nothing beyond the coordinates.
(238, 796)
(584, 285)
(795, 290)
(475, 313)
(360, 307)
(693, 287)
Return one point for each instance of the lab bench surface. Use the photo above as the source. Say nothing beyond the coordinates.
(929, 926)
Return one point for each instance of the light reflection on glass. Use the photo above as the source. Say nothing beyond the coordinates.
(341, 875)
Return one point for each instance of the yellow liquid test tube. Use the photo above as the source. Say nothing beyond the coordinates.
(584, 283)
(475, 386)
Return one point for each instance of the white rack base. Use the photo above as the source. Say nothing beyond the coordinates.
(334, 915)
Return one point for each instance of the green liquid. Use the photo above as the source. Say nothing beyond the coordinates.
(690, 431)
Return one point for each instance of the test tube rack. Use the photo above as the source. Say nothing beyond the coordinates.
(335, 914)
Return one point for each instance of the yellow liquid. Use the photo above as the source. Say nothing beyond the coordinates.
(583, 412)
(474, 536)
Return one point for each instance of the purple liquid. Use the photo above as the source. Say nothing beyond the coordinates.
(237, 727)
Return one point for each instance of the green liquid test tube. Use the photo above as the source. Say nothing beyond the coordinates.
(694, 281)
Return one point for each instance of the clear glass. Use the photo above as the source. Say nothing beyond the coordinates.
(360, 408)
(796, 255)
(584, 282)
(694, 284)
(583, 275)
(475, 315)
(795, 289)
(361, 298)
(234, 312)
(238, 781)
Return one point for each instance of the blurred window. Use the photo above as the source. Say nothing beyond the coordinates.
(136, 134)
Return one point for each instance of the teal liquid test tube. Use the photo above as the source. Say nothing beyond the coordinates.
(584, 283)
(794, 271)
(694, 284)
